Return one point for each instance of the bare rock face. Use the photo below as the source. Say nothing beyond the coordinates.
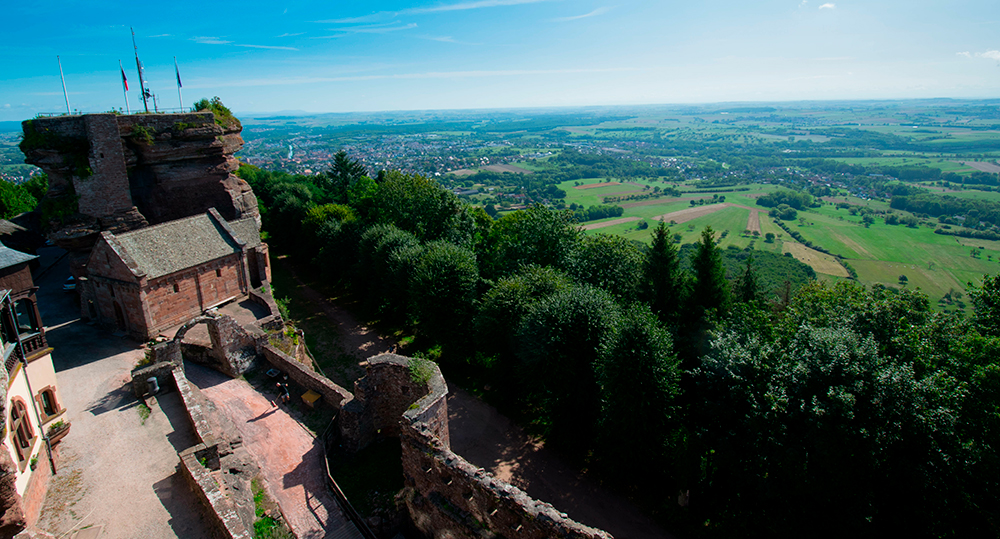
(120, 173)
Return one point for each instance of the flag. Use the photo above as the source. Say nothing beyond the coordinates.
(124, 80)
(178, 72)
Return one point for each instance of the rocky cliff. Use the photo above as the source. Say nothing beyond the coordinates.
(120, 173)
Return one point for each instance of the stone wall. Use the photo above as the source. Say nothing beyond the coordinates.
(203, 481)
(445, 495)
(224, 481)
(303, 375)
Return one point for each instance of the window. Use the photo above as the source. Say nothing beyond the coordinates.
(176, 288)
(24, 312)
(20, 430)
(111, 287)
(218, 273)
(48, 399)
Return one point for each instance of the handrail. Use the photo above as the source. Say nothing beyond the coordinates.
(345, 504)
(160, 110)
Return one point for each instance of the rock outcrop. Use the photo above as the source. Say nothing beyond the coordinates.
(120, 173)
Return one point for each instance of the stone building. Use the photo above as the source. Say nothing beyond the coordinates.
(145, 281)
(31, 395)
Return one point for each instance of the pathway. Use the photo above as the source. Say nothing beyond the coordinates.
(291, 459)
(116, 472)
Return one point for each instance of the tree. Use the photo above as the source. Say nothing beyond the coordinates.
(609, 262)
(747, 288)
(536, 235)
(443, 290)
(662, 280)
(769, 237)
(986, 304)
(558, 343)
(503, 307)
(903, 279)
(638, 374)
(710, 289)
(15, 200)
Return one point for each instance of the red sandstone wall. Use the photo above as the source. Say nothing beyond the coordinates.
(197, 289)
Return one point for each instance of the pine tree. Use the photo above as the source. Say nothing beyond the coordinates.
(662, 279)
(710, 291)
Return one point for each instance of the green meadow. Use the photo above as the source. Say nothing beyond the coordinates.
(880, 253)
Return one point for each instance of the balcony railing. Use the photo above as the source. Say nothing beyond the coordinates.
(33, 342)
(11, 356)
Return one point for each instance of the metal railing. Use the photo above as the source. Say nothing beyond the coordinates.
(159, 110)
(349, 510)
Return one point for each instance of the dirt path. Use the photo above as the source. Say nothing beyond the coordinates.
(488, 439)
(753, 222)
(291, 459)
(595, 226)
(491, 441)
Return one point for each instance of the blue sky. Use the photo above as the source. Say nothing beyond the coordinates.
(338, 56)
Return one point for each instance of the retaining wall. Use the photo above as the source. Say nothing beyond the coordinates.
(303, 375)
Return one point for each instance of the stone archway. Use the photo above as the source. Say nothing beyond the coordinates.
(232, 349)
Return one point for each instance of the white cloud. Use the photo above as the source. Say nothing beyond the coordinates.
(379, 16)
(290, 35)
(598, 11)
(274, 47)
(369, 29)
(205, 40)
(161, 35)
(804, 2)
(471, 5)
(989, 55)
(6, 105)
(828, 6)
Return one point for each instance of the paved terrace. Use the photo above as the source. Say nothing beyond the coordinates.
(291, 459)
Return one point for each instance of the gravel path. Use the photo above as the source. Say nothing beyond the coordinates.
(115, 471)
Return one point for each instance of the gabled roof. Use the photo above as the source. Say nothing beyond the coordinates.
(173, 246)
(10, 257)
(246, 231)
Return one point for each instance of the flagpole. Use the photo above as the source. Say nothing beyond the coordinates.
(63, 77)
(180, 98)
(138, 65)
(124, 87)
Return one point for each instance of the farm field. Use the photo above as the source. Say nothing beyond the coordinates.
(934, 263)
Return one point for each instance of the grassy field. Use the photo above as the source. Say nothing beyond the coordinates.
(934, 263)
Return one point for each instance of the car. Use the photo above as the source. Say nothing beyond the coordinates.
(70, 284)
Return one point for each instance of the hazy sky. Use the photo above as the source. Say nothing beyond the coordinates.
(383, 55)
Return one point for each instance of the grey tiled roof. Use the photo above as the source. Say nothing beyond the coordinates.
(10, 257)
(175, 245)
(246, 231)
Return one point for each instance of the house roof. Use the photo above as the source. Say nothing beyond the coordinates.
(9, 257)
(246, 231)
(176, 245)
